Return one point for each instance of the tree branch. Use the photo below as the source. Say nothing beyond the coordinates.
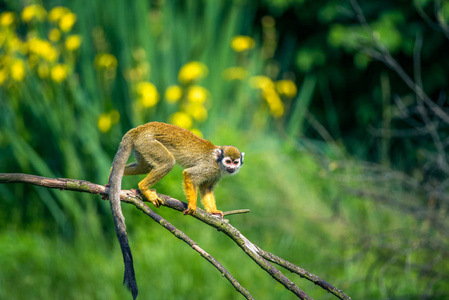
(303, 273)
(128, 197)
(260, 256)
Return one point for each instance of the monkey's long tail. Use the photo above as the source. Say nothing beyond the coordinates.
(115, 183)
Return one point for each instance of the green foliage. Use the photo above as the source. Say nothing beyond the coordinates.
(309, 58)
(282, 80)
(385, 32)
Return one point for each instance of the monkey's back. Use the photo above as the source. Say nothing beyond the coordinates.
(182, 143)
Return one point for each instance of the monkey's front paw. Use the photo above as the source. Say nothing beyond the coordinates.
(189, 211)
(152, 196)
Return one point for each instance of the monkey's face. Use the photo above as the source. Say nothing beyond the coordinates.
(231, 166)
(229, 158)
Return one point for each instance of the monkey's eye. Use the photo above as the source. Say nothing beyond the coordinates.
(228, 161)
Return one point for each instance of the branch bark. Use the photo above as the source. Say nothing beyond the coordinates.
(260, 256)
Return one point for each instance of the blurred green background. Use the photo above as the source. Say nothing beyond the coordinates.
(341, 111)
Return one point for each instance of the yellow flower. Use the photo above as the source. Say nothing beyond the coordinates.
(67, 21)
(35, 45)
(56, 13)
(50, 53)
(42, 48)
(197, 94)
(197, 111)
(149, 100)
(104, 122)
(54, 35)
(59, 73)
(277, 109)
(286, 88)
(145, 87)
(148, 94)
(241, 43)
(181, 119)
(173, 93)
(269, 94)
(261, 82)
(18, 70)
(192, 71)
(7, 18)
(35, 11)
(274, 102)
(73, 42)
(235, 73)
(105, 61)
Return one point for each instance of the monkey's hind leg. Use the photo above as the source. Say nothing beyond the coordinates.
(208, 200)
(152, 158)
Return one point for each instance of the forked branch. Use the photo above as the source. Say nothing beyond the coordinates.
(260, 256)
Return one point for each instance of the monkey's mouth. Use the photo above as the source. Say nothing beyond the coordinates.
(230, 170)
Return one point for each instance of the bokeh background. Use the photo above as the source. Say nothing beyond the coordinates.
(340, 106)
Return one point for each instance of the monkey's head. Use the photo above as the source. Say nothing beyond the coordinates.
(229, 158)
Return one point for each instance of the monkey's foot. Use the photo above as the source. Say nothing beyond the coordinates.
(217, 213)
(152, 196)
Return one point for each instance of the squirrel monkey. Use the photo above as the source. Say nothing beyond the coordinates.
(157, 146)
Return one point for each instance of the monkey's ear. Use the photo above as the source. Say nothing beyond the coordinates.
(241, 159)
(218, 154)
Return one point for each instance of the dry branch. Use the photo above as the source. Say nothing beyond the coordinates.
(380, 53)
(260, 256)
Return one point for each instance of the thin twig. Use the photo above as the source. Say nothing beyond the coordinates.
(431, 127)
(380, 53)
(235, 212)
(440, 19)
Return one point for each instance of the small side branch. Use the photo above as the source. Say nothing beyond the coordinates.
(304, 273)
(235, 212)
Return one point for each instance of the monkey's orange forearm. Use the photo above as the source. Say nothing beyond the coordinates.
(191, 193)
